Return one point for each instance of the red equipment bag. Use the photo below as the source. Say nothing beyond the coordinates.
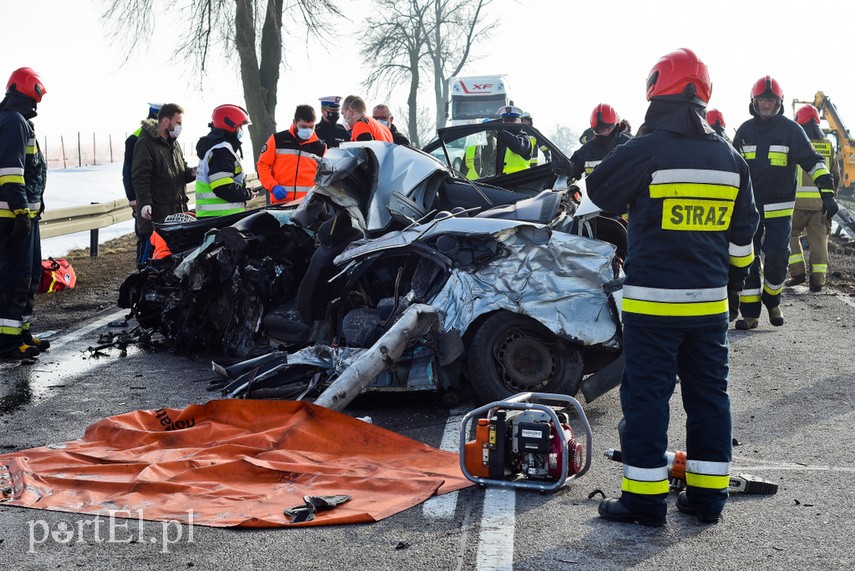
(56, 275)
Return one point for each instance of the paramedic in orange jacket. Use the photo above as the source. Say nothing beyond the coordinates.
(362, 127)
(289, 160)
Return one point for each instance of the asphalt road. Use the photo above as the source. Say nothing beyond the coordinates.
(792, 391)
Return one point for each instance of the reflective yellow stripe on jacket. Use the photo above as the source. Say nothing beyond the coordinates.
(674, 302)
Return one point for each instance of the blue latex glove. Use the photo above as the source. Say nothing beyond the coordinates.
(279, 192)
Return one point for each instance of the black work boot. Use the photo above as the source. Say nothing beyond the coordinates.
(795, 280)
(22, 351)
(776, 316)
(613, 510)
(814, 286)
(685, 505)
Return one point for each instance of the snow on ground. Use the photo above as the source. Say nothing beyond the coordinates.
(80, 186)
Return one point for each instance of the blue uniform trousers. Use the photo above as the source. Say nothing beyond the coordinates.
(766, 281)
(654, 357)
(16, 276)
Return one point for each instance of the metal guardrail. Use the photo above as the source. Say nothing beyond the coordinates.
(92, 217)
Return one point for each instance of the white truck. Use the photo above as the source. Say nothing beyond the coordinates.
(476, 98)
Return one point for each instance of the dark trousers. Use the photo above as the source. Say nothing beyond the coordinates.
(766, 280)
(654, 358)
(16, 275)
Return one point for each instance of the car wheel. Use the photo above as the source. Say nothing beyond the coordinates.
(511, 353)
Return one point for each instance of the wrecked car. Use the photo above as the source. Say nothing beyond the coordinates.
(523, 289)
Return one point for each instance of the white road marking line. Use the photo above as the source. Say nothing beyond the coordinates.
(444, 506)
(845, 299)
(496, 539)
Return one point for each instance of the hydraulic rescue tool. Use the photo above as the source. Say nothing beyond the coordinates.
(741, 483)
(526, 442)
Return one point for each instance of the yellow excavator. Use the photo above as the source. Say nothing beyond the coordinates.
(844, 144)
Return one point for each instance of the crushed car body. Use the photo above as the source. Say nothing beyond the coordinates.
(523, 301)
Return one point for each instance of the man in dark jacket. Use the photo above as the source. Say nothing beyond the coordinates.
(159, 173)
(607, 132)
(691, 221)
(23, 172)
(130, 143)
(384, 116)
(328, 129)
(773, 145)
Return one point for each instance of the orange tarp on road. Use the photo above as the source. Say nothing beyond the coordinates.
(233, 463)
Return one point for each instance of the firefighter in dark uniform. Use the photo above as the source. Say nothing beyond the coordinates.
(23, 171)
(608, 133)
(691, 221)
(716, 121)
(773, 145)
(142, 238)
(328, 129)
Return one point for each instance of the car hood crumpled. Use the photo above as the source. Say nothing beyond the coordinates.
(552, 277)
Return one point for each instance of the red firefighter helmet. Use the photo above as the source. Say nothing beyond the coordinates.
(714, 116)
(604, 118)
(27, 82)
(767, 88)
(680, 75)
(229, 118)
(807, 114)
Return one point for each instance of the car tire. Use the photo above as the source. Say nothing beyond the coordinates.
(511, 353)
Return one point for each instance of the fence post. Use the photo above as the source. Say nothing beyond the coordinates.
(94, 151)
(62, 144)
(110, 138)
(79, 153)
(93, 241)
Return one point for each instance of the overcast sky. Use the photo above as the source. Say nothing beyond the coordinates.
(562, 57)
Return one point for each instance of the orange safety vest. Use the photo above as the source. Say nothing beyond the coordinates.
(372, 127)
(288, 161)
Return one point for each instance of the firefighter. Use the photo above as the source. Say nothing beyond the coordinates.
(23, 172)
(143, 249)
(220, 179)
(773, 145)
(692, 218)
(329, 130)
(807, 215)
(608, 132)
(716, 121)
(289, 160)
(363, 128)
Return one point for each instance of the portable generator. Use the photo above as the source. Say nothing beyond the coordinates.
(526, 441)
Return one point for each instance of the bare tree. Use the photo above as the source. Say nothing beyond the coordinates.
(232, 25)
(425, 128)
(456, 25)
(397, 41)
(565, 138)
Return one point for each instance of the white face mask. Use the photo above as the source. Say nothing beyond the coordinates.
(176, 130)
(239, 134)
(383, 122)
(305, 133)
